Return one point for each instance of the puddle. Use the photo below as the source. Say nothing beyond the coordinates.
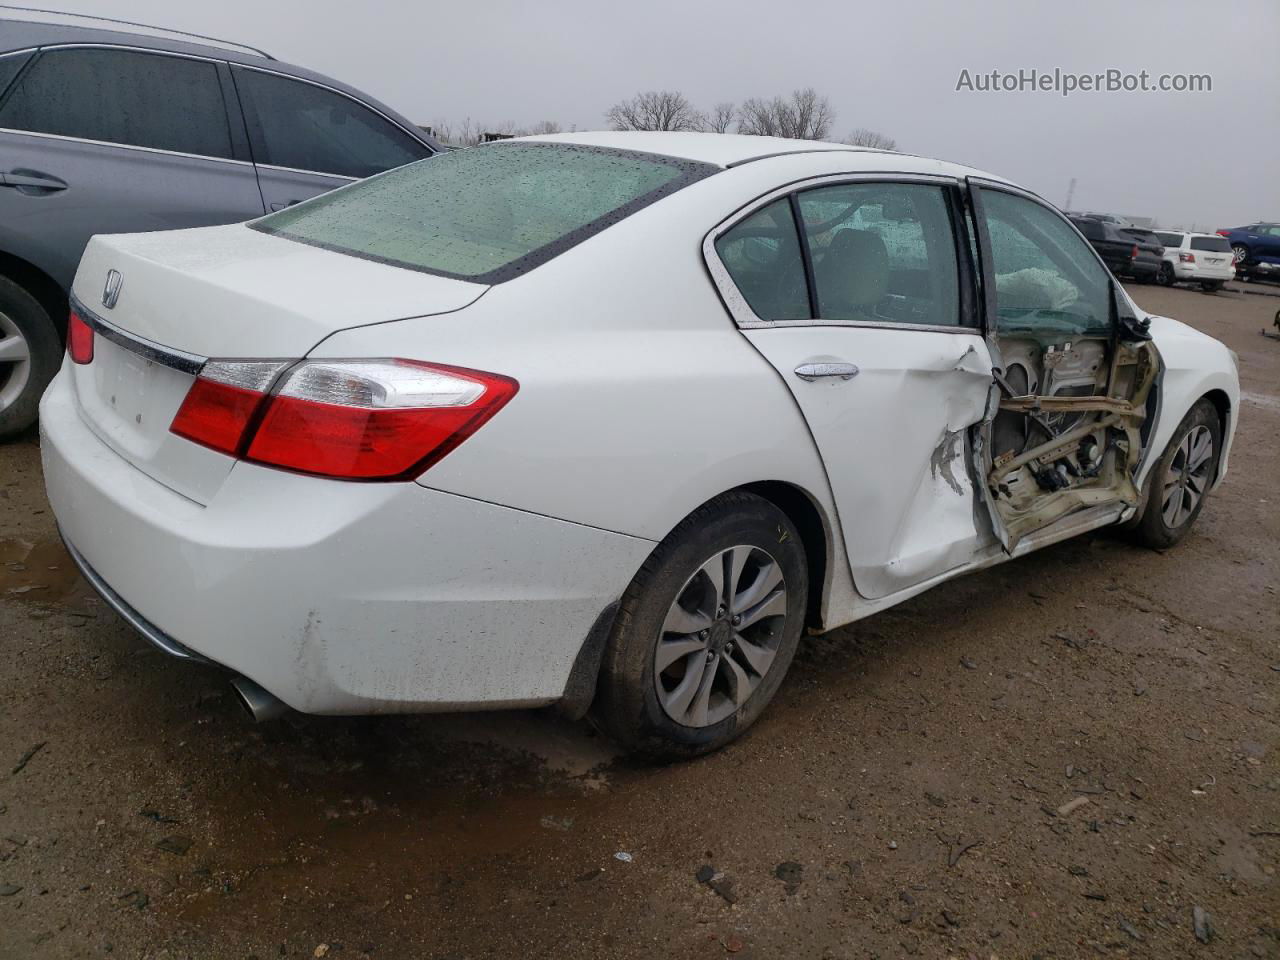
(41, 573)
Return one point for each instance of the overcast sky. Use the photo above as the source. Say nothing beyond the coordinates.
(1208, 159)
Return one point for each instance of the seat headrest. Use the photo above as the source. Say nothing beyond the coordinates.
(853, 274)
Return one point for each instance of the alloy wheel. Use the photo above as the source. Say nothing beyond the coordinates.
(720, 636)
(1187, 478)
(15, 361)
(1238, 253)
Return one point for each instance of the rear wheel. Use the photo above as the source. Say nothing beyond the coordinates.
(29, 353)
(1239, 253)
(706, 630)
(1165, 276)
(1181, 479)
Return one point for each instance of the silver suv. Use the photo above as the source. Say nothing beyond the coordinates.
(108, 131)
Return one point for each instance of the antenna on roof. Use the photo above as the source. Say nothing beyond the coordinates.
(144, 26)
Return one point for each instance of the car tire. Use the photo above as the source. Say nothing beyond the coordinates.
(1166, 521)
(30, 352)
(661, 711)
(1239, 253)
(1212, 286)
(1165, 276)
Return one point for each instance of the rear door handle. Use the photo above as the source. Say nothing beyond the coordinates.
(821, 371)
(29, 180)
(278, 206)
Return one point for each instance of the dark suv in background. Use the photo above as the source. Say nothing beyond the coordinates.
(1126, 255)
(107, 131)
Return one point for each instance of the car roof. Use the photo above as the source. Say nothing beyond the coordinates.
(16, 35)
(733, 149)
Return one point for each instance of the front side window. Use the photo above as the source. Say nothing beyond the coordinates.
(488, 213)
(762, 255)
(125, 97)
(882, 252)
(1048, 281)
(306, 127)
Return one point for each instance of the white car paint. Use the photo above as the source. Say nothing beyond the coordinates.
(640, 399)
(1199, 266)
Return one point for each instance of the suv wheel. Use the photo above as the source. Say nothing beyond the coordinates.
(706, 630)
(1165, 276)
(30, 351)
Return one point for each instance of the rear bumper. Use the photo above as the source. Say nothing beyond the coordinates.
(1199, 272)
(336, 597)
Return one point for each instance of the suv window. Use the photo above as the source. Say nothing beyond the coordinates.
(1211, 244)
(1170, 239)
(300, 125)
(762, 255)
(121, 96)
(1047, 279)
(9, 67)
(882, 252)
(1092, 229)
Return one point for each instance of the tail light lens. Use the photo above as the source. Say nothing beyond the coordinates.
(1133, 254)
(348, 419)
(1223, 233)
(1187, 258)
(79, 339)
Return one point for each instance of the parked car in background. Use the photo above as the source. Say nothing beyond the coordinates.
(108, 131)
(1150, 249)
(1256, 249)
(605, 420)
(1125, 255)
(1203, 258)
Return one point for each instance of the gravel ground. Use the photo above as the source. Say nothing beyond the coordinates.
(1065, 756)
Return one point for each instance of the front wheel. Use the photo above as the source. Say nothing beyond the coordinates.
(706, 630)
(1181, 478)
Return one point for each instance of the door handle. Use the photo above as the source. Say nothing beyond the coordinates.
(820, 371)
(28, 180)
(278, 206)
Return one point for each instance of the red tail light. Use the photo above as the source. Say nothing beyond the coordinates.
(1223, 233)
(349, 419)
(1187, 258)
(1133, 254)
(79, 339)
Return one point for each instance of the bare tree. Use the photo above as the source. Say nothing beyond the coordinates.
(655, 110)
(862, 137)
(544, 127)
(805, 115)
(720, 118)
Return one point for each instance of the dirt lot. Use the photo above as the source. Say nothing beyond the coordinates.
(908, 793)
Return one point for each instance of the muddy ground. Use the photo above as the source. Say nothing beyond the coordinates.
(908, 793)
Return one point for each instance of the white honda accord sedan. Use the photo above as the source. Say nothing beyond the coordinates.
(604, 420)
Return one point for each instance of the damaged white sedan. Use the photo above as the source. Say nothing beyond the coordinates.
(604, 420)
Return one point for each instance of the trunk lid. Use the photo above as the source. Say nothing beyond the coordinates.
(218, 292)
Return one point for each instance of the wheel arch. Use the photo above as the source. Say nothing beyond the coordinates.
(815, 535)
(1222, 403)
(42, 287)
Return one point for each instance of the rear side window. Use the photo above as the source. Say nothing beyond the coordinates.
(1091, 229)
(306, 127)
(1211, 244)
(882, 252)
(119, 96)
(1170, 239)
(762, 255)
(488, 213)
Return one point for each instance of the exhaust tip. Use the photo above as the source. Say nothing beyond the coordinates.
(261, 705)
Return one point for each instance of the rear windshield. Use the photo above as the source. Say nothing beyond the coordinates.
(1212, 244)
(486, 214)
(1170, 239)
